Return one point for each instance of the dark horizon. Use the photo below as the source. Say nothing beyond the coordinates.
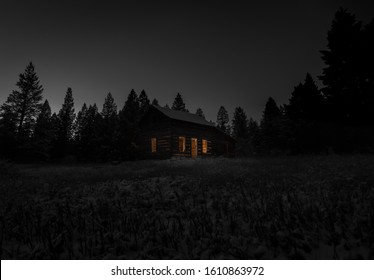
(231, 55)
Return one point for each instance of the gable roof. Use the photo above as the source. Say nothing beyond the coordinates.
(183, 116)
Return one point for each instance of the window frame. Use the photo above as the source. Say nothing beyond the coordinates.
(182, 148)
(204, 148)
(153, 145)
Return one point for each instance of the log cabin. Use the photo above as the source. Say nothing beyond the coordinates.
(166, 133)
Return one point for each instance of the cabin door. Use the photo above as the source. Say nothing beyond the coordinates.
(194, 147)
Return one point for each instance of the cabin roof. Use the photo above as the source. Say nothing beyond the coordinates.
(183, 116)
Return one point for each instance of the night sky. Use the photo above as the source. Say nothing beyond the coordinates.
(213, 54)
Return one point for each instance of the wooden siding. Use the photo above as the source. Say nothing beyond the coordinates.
(167, 131)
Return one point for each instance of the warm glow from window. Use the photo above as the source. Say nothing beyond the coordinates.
(205, 146)
(182, 144)
(154, 145)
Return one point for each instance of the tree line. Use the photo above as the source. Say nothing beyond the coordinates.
(337, 117)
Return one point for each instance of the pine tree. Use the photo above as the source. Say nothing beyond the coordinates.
(306, 101)
(155, 102)
(108, 130)
(65, 131)
(223, 119)
(270, 126)
(144, 103)
(8, 133)
(200, 113)
(178, 104)
(80, 123)
(24, 104)
(254, 136)
(240, 124)
(109, 108)
(129, 118)
(341, 74)
(43, 134)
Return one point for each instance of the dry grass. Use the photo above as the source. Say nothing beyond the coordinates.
(282, 208)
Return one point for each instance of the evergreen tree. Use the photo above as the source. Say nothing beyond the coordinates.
(223, 119)
(129, 118)
(143, 103)
(240, 124)
(254, 136)
(43, 134)
(108, 131)
(240, 132)
(65, 132)
(270, 126)
(306, 101)
(24, 104)
(200, 113)
(341, 74)
(8, 133)
(367, 77)
(178, 104)
(109, 108)
(167, 106)
(89, 136)
(155, 102)
(81, 122)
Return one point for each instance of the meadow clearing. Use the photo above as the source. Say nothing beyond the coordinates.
(312, 207)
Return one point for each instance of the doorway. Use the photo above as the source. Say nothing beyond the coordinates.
(193, 147)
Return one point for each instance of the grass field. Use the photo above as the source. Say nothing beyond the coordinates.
(280, 208)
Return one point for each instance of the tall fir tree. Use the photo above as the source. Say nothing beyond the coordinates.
(306, 102)
(109, 107)
(341, 74)
(66, 118)
(129, 118)
(24, 104)
(254, 136)
(43, 134)
(155, 102)
(240, 132)
(223, 119)
(8, 133)
(108, 130)
(144, 103)
(179, 104)
(270, 126)
(80, 123)
(200, 113)
(240, 124)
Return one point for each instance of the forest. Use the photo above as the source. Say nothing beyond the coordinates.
(336, 118)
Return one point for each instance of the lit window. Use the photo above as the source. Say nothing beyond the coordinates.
(154, 145)
(182, 144)
(205, 146)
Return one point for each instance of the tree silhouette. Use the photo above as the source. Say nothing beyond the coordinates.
(108, 130)
(65, 131)
(8, 133)
(223, 119)
(24, 104)
(109, 107)
(306, 101)
(270, 126)
(200, 113)
(44, 134)
(155, 102)
(129, 118)
(341, 74)
(143, 103)
(240, 132)
(178, 104)
(240, 124)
